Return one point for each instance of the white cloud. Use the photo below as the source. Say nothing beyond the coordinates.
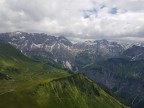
(75, 19)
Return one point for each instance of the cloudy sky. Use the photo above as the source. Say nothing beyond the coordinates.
(78, 20)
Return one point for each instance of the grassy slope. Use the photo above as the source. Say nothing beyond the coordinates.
(74, 92)
(42, 85)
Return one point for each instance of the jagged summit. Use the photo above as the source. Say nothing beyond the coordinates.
(60, 49)
(102, 41)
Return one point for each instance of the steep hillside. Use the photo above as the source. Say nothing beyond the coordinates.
(20, 72)
(135, 53)
(17, 65)
(25, 83)
(75, 92)
(69, 92)
(123, 76)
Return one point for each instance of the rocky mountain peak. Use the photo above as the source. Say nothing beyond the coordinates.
(64, 40)
(103, 41)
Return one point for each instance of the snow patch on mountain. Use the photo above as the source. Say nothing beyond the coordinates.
(68, 65)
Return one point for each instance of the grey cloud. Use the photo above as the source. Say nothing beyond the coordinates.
(66, 17)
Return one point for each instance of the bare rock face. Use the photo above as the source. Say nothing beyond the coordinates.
(60, 49)
(4, 77)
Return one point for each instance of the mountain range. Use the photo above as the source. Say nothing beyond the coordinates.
(61, 50)
(115, 66)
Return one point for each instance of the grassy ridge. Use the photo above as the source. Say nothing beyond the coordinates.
(74, 92)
